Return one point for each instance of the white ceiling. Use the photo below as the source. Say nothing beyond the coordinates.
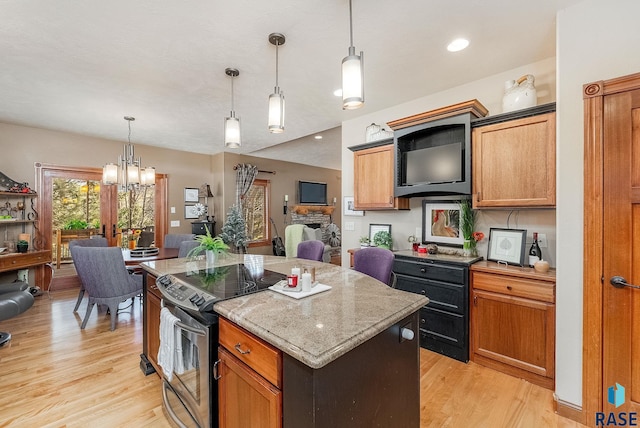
(80, 66)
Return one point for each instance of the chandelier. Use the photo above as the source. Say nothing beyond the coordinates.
(127, 173)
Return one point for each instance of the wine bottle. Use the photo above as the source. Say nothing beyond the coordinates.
(535, 254)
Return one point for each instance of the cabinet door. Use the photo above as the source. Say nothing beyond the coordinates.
(152, 322)
(512, 332)
(246, 399)
(373, 179)
(514, 163)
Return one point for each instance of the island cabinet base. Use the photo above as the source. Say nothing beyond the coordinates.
(376, 384)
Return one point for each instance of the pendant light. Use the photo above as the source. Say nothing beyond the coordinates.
(276, 100)
(352, 74)
(128, 173)
(232, 123)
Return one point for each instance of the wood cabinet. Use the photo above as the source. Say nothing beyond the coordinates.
(514, 160)
(512, 327)
(373, 175)
(151, 323)
(250, 380)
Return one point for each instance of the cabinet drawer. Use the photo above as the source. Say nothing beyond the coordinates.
(518, 287)
(23, 260)
(253, 351)
(442, 295)
(152, 287)
(441, 327)
(453, 274)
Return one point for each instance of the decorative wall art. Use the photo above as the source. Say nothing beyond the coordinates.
(190, 211)
(507, 246)
(349, 207)
(190, 194)
(441, 223)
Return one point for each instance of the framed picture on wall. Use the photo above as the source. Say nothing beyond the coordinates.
(441, 223)
(375, 228)
(349, 207)
(190, 211)
(190, 194)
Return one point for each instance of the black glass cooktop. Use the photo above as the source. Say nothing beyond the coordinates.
(225, 282)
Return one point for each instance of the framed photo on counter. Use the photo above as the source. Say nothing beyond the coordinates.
(507, 246)
(441, 223)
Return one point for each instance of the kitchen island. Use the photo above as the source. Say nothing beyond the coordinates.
(342, 357)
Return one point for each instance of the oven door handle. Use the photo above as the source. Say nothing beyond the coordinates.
(167, 406)
(184, 326)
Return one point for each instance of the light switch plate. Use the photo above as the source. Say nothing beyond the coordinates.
(175, 223)
(349, 225)
(542, 240)
(173, 210)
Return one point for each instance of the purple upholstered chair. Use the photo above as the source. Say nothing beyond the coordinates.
(311, 250)
(375, 262)
(104, 275)
(96, 241)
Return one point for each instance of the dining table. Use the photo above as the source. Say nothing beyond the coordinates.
(163, 254)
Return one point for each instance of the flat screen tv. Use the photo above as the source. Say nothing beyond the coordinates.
(312, 193)
(434, 158)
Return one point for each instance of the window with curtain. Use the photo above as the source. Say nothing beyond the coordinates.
(255, 208)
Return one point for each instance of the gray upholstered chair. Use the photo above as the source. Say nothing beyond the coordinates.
(15, 298)
(97, 241)
(173, 240)
(146, 238)
(311, 250)
(375, 262)
(186, 246)
(103, 274)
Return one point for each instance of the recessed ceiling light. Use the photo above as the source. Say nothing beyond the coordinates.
(338, 92)
(318, 137)
(457, 45)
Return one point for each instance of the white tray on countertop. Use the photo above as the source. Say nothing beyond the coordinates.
(281, 288)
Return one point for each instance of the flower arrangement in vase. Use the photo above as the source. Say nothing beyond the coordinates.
(467, 228)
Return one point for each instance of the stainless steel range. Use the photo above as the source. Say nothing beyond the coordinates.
(191, 397)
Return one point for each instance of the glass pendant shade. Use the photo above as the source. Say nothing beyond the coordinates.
(110, 174)
(133, 174)
(276, 112)
(352, 80)
(148, 176)
(232, 132)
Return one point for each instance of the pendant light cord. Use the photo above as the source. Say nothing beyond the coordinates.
(350, 24)
(232, 105)
(277, 44)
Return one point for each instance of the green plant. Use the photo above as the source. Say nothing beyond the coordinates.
(467, 219)
(382, 239)
(364, 240)
(22, 242)
(76, 224)
(209, 243)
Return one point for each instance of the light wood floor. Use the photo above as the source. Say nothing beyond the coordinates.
(52, 374)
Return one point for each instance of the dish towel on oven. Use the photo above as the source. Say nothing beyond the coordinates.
(169, 343)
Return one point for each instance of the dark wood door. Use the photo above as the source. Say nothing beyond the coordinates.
(621, 235)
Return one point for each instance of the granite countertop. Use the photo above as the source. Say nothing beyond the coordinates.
(316, 329)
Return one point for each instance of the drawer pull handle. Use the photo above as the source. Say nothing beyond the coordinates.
(423, 292)
(239, 349)
(422, 321)
(509, 288)
(423, 270)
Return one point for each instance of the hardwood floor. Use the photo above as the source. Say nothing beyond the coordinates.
(52, 374)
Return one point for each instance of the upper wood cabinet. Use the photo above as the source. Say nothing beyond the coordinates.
(373, 178)
(514, 161)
